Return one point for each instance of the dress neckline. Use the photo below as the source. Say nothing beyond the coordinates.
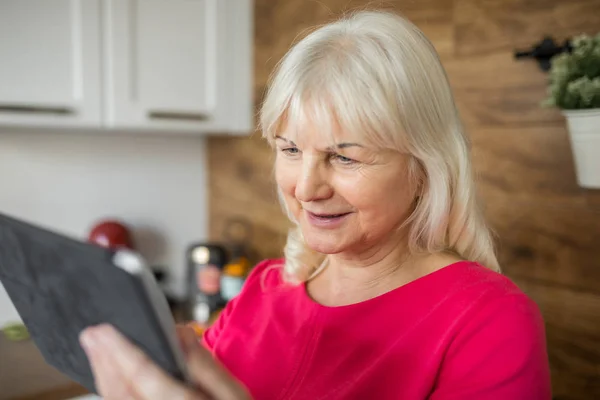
(407, 287)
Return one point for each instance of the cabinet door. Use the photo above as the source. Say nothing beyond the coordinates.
(169, 64)
(50, 63)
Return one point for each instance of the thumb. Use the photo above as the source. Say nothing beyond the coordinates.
(188, 338)
(208, 374)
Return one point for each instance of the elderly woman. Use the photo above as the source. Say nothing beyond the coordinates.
(389, 288)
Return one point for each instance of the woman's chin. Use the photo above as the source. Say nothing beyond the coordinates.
(325, 244)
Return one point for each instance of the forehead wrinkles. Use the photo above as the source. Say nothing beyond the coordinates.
(309, 123)
(319, 130)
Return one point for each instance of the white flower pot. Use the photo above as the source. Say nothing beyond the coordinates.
(584, 133)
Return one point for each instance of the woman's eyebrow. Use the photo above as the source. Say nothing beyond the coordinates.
(338, 146)
(285, 140)
(344, 145)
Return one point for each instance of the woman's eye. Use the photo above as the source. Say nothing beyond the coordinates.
(290, 151)
(342, 159)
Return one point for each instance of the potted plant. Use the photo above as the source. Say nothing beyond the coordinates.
(574, 87)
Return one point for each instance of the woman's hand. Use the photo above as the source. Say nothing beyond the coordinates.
(123, 372)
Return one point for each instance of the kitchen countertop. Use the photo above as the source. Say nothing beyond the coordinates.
(25, 375)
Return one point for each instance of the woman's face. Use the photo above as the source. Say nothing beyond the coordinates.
(347, 198)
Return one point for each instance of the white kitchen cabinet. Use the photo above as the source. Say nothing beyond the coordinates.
(50, 63)
(127, 65)
(178, 64)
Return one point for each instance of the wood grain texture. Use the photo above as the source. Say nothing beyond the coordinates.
(573, 336)
(548, 228)
(496, 90)
(530, 163)
(242, 186)
(553, 244)
(486, 26)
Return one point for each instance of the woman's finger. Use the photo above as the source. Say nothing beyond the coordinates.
(108, 383)
(207, 373)
(145, 380)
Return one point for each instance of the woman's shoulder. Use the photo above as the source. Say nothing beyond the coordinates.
(478, 280)
(498, 339)
(247, 302)
(453, 275)
(488, 307)
(480, 291)
(266, 273)
(266, 264)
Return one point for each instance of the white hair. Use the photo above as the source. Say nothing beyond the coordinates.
(378, 77)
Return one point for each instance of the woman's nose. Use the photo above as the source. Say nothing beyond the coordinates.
(312, 183)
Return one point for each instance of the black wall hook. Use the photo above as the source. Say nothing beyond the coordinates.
(544, 51)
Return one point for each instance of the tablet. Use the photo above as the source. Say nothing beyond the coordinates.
(60, 285)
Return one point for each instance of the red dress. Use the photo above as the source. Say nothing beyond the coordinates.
(462, 332)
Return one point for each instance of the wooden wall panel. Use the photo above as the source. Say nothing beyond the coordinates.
(495, 90)
(435, 19)
(241, 186)
(552, 244)
(548, 228)
(485, 26)
(531, 163)
(573, 336)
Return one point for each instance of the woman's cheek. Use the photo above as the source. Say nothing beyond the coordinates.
(354, 188)
(283, 176)
(286, 178)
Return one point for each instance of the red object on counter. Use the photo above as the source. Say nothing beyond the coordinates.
(112, 234)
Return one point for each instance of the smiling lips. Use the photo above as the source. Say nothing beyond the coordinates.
(323, 220)
(327, 216)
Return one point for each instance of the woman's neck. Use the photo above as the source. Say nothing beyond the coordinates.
(348, 280)
(352, 278)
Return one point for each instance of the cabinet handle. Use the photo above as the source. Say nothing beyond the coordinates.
(35, 109)
(181, 116)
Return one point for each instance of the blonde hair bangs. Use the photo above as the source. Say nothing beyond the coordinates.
(325, 93)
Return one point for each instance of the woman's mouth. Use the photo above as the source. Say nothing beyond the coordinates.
(326, 220)
(329, 216)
